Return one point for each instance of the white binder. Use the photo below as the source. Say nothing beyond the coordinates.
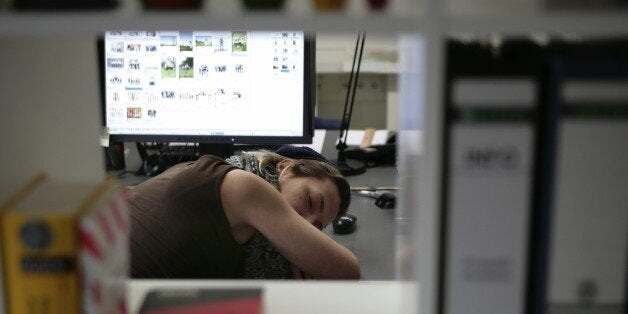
(489, 195)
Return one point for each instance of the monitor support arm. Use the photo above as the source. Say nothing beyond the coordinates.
(341, 163)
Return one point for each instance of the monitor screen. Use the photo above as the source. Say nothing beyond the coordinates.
(249, 87)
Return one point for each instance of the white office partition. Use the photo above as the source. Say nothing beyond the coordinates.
(412, 77)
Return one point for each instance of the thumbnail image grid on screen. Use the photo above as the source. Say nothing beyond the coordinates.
(208, 86)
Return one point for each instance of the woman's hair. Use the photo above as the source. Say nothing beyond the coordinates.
(311, 168)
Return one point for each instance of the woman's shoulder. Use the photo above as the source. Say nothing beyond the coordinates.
(242, 182)
(242, 189)
(241, 192)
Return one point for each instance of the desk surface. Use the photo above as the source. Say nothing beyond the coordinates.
(373, 242)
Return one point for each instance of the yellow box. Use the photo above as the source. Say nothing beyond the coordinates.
(41, 245)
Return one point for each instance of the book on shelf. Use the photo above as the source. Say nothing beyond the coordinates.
(203, 300)
(489, 161)
(587, 265)
(65, 247)
(534, 215)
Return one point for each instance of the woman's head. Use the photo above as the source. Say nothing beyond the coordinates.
(309, 183)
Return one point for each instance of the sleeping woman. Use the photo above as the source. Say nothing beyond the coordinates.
(254, 215)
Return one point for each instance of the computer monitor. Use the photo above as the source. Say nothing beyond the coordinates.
(208, 87)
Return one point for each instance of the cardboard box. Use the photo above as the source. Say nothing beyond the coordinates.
(65, 247)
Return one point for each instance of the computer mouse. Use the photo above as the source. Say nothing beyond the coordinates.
(344, 224)
(386, 200)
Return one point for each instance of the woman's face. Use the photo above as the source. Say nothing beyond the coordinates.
(316, 200)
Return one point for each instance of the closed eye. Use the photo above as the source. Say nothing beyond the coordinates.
(322, 202)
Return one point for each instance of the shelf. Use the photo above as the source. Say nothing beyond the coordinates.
(366, 68)
(594, 23)
(93, 23)
(400, 16)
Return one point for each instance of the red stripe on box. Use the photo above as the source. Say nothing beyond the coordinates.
(122, 306)
(89, 244)
(116, 212)
(106, 228)
(251, 305)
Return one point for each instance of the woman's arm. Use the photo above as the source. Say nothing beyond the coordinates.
(251, 201)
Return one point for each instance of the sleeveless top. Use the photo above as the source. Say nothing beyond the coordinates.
(178, 225)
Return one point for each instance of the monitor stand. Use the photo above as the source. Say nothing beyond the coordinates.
(220, 150)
